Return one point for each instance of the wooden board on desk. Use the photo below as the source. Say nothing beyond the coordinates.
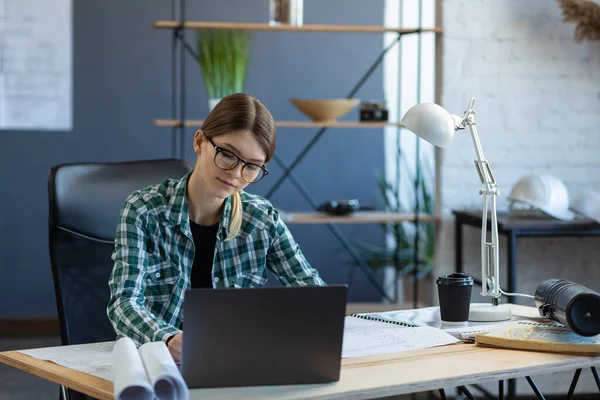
(79, 381)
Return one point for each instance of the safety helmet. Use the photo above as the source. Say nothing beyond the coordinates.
(587, 203)
(543, 192)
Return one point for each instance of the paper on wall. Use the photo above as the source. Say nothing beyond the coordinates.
(36, 63)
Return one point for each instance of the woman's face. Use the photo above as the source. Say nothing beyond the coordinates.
(222, 183)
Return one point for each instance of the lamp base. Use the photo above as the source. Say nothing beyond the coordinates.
(485, 312)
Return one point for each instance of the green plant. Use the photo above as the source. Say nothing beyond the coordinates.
(401, 253)
(224, 56)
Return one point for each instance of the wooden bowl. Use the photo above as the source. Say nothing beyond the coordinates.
(325, 110)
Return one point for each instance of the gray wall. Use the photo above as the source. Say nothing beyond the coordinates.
(122, 81)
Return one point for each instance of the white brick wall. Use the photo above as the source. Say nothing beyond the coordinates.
(538, 110)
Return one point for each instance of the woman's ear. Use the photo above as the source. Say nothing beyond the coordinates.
(198, 140)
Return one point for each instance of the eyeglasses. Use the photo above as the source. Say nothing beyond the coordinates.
(228, 160)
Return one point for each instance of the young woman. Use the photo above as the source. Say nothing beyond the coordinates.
(202, 230)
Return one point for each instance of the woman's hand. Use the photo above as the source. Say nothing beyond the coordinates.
(174, 346)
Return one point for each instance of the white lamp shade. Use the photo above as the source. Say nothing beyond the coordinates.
(430, 122)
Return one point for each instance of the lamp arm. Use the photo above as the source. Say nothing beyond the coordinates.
(490, 265)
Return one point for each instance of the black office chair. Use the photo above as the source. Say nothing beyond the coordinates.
(85, 200)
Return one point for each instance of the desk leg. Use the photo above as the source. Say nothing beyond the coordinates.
(511, 277)
(596, 377)
(512, 264)
(512, 389)
(536, 390)
(458, 247)
(465, 391)
(501, 390)
(574, 384)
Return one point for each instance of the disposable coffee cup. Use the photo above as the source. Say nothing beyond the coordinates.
(454, 293)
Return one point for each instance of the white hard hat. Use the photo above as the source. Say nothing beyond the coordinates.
(587, 203)
(544, 192)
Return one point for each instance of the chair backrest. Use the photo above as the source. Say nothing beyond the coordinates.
(85, 200)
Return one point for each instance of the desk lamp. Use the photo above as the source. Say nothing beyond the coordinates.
(434, 124)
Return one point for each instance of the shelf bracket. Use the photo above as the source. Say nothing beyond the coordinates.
(313, 141)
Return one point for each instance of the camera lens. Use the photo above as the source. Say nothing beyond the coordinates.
(571, 304)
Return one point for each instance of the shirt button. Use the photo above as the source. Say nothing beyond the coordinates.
(216, 280)
(157, 274)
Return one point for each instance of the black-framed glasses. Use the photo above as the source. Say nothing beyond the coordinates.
(228, 160)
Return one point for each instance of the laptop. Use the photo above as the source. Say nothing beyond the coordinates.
(263, 336)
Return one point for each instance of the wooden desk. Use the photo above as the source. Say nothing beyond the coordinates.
(361, 378)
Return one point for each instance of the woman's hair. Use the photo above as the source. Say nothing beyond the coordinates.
(236, 112)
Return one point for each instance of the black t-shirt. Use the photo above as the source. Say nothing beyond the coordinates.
(205, 238)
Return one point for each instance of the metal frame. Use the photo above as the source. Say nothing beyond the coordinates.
(536, 390)
(576, 379)
(178, 103)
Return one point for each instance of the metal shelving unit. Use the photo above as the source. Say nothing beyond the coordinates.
(178, 122)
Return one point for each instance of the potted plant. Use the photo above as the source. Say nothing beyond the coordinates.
(223, 55)
(399, 252)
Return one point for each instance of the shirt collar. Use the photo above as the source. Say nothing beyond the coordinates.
(177, 211)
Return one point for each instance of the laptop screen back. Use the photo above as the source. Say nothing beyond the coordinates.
(263, 336)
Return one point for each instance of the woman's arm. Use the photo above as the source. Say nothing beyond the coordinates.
(286, 260)
(126, 309)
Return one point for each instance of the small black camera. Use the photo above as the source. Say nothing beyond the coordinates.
(373, 112)
(340, 207)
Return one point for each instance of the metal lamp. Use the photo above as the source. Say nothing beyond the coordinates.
(437, 126)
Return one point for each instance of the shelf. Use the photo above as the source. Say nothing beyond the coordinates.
(173, 123)
(360, 217)
(303, 28)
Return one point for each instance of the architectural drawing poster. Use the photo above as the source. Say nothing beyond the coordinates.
(36, 83)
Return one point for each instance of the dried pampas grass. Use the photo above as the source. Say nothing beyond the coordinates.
(586, 15)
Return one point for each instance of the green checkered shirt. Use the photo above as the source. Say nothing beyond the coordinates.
(154, 254)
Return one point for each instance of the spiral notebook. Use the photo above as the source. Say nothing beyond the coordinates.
(365, 337)
(430, 316)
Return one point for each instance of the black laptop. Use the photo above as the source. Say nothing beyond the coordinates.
(263, 336)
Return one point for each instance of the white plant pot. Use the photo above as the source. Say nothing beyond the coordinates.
(212, 103)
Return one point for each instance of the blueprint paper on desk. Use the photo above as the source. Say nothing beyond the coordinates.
(93, 358)
(364, 338)
(146, 373)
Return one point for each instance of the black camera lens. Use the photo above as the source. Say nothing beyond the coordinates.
(571, 304)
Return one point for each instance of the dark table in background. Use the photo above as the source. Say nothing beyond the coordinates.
(514, 227)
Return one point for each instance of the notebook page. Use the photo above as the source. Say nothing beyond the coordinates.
(430, 316)
(130, 379)
(365, 337)
(162, 372)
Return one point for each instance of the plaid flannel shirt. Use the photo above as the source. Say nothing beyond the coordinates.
(154, 254)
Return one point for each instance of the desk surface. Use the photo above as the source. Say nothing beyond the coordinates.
(508, 222)
(364, 377)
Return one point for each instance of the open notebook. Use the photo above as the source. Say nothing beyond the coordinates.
(363, 337)
(146, 373)
(430, 316)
